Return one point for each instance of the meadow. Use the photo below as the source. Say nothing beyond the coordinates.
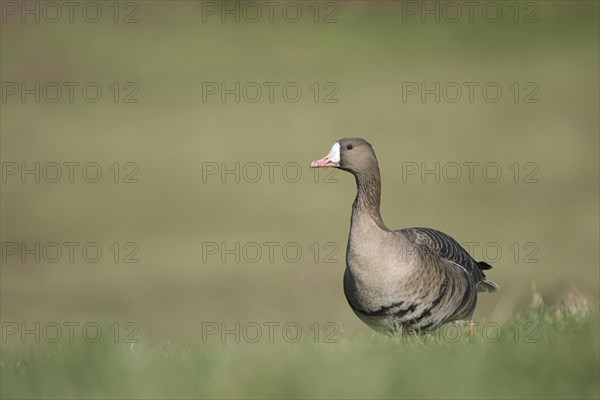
(537, 355)
(163, 236)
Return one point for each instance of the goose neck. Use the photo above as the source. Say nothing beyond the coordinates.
(368, 197)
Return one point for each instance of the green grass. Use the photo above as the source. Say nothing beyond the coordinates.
(535, 355)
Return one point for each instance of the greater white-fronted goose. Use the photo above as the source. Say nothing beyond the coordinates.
(410, 279)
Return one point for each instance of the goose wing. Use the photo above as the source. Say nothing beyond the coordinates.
(449, 249)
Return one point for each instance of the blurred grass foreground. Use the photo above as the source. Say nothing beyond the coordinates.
(543, 353)
(163, 237)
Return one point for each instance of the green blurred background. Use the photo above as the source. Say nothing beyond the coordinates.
(170, 133)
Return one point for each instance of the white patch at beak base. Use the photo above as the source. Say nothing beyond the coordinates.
(330, 160)
(334, 153)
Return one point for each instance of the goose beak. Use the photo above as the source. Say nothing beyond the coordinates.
(324, 162)
(330, 160)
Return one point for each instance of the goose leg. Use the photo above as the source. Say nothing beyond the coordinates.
(469, 324)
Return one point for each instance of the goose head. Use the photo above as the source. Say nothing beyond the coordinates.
(350, 154)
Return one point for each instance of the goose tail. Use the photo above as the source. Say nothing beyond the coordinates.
(484, 285)
(487, 286)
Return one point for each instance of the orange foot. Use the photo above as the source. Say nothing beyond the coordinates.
(471, 328)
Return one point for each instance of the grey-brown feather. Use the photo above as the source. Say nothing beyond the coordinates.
(449, 249)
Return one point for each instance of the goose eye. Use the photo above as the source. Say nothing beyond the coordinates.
(349, 147)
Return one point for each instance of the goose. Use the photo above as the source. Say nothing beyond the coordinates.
(411, 279)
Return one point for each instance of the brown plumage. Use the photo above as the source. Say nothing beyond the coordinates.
(413, 278)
